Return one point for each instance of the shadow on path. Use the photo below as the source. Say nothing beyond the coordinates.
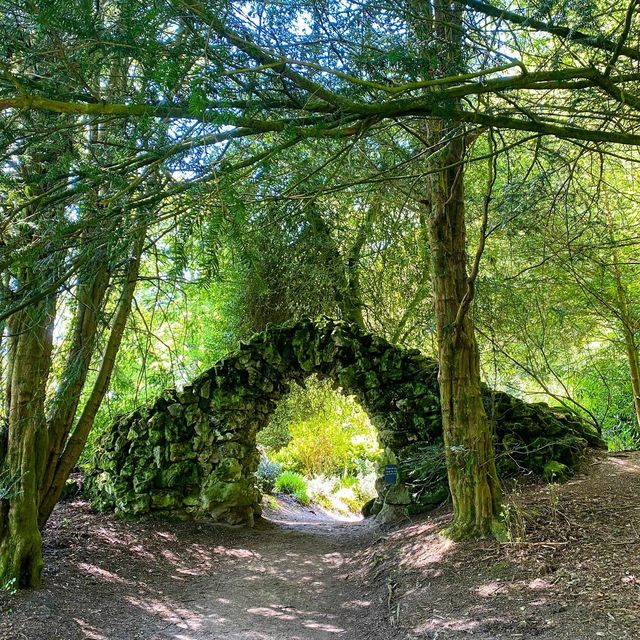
(290, 578)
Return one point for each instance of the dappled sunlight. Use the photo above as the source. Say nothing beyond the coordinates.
(625, 465)
(271, 612)
(427, 551)
(313, 521)
(166, 536)
(103, 574)
(193, 580)
(499, 587)
(303, 617)
(235, 552)
(467, 588)
(429, 526)
(443, 623)
(335, 560)
(292, 514)
(90, 632)
(311, 580)
(491, 589)
(539, 584)
(115, 539)
(314, 581)
(309, 624)
(172, 613)
(357, 604)
(221, 602)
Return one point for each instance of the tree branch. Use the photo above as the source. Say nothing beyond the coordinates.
(566, 33)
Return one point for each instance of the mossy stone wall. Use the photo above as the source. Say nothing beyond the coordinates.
(192, 452)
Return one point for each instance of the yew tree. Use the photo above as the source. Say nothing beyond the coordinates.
(204, 90)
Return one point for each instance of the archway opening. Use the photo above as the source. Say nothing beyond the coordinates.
(320, 447)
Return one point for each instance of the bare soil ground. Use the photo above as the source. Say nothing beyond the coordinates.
(303, 575)
(572, 573)
(108, 579)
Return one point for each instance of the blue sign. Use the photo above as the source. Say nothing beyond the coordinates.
(390, 474)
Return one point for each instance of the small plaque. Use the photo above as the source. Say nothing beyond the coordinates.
(390, 474)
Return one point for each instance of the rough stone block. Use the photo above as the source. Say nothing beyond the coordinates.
(391, 513)
(398, 494)
(166, 499)
(179, 451)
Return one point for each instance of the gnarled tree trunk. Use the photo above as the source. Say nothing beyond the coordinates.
(30, 336)
(62, 462)
(471, 467)
(38, 456)
(345, 266)
(629, 333)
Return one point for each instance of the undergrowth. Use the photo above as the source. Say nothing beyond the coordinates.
(291, 483)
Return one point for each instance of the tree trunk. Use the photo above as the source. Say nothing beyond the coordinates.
(345, 268)
(474, 485)
(352, 301)
(634, 369)
(4, 381)
(67, 459)
(626, 319)
(468, 441)
(30, 335)
(91, 292)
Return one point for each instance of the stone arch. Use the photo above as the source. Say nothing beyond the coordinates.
(193, 451)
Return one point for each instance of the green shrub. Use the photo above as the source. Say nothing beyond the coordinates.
(267, 474)
(294, 484)
(344, 494)
(317, 446)
(319, 431)
(346, 482)
(604, 388)
(320, 489)
(621, 433)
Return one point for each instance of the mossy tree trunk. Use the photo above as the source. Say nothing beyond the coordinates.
(629, 333)
(30, 339)
(61, 460)
(36, 454)
(468, 440)
(471, 469)
(345, 264)
(92, 289)
(634, 368)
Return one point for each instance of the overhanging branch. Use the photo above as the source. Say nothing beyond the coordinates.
(565, 33)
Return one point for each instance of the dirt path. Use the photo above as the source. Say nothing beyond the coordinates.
(291, 578)
(572, 572)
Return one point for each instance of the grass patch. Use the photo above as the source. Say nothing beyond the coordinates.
(291, 483)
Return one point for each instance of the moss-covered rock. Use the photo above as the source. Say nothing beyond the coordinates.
(398, 494)
(555, 471)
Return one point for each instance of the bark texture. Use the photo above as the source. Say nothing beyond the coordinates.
(60, 465)
(38, 453)
(30, 337)
(468, 442)
(628, 331)
(471, 469)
